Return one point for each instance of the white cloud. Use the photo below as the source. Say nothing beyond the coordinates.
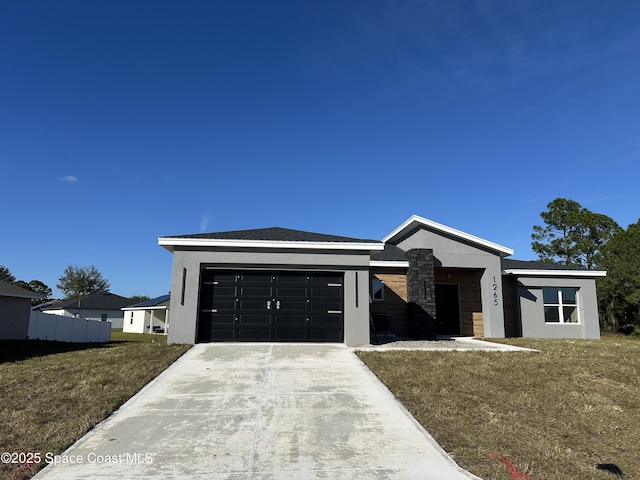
(69, 179)
(204, 221)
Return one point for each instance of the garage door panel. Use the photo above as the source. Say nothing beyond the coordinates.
(325, 305)
(249, 278)
(224, 304)
(213, 275)
(288, 305)
(222, 318)
(253, 335)
(326, 292)
(206, 296)
(289, 292)
(204, 328)
(222, 334)
(284, 320)
(276, 306)
(255, 305)
(206, 303)
(223, 291)
(248, 319)
(291, 278)
(326, 278)
(291, 335)
(326, 320)
(255, 291)
(324, 335)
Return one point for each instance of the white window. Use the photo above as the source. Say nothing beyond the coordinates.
(377, 290)
(560, 305)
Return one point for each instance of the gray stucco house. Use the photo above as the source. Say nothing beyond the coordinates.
(423, 279)
(15, 310)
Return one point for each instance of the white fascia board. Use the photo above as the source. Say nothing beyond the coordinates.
(389, 264)
(164, 307)
(415, 220)
(555, 273)
(201, 242)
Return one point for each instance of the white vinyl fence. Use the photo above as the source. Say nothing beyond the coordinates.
(44, 326)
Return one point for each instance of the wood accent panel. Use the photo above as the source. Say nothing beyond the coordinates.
(394, 283)
(395, 299)
(478, 324)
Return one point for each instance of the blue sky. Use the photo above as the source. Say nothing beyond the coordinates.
(123, 121)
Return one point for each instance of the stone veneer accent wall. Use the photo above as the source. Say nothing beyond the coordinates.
(421, 295)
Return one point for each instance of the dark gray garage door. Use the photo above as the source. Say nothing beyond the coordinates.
(251, 306)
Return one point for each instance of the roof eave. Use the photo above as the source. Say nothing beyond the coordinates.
(153, 307)
(521, 272)
(20, 295)
(416, 220)
(169, 243)
(389, 263)
(83, 307)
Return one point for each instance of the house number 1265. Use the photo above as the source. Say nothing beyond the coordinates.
(495, 291)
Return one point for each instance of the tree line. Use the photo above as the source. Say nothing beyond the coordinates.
(571, 235)
(36, 286)
(575, 236)
(74, 282)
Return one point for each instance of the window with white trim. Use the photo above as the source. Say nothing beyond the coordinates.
(377, 290)
(560, 304)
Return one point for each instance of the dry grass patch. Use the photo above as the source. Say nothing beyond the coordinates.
(555, 414)
(53, 393)
(117, 335)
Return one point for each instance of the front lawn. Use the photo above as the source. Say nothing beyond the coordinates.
(551, 415)
(53, 393)
(117, 335)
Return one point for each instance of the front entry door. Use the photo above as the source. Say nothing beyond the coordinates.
(447, 310)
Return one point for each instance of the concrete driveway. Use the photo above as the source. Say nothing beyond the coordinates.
(260, 411)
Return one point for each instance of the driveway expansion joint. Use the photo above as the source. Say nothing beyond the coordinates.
(263, 393)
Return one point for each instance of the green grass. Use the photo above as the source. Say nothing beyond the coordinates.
(555, 414)
(117, 335)
(53, 393)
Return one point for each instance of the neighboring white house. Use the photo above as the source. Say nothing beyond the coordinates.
(102, 306)
(151, 316)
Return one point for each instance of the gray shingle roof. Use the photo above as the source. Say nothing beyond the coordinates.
(10, 290)
(391, 253)
(274, 234)
(98, 300)
(511, 264)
